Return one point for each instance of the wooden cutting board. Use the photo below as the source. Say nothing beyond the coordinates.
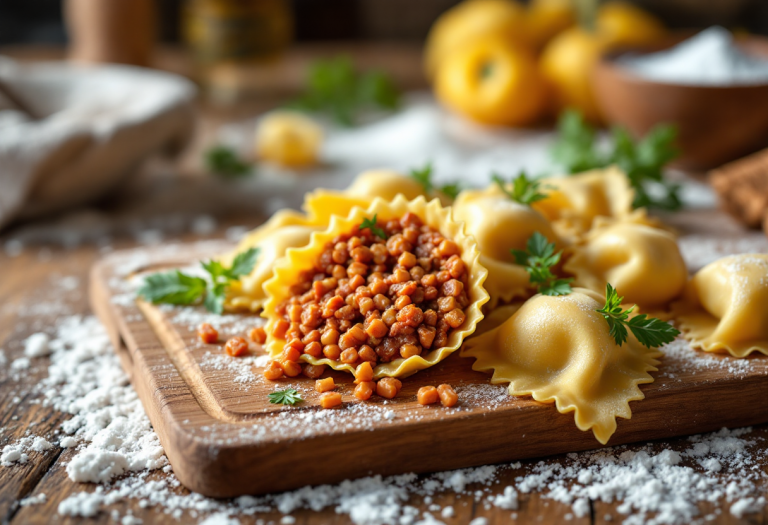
(224, 438)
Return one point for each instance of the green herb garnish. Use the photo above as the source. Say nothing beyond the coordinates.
(538, 259)
(177, 288)
(172, 287)
(371, 223)
(424, 177)
(524, 190)
(336, 88)
(649, 331)
(577, 150)
(224, 161)
(289, 396)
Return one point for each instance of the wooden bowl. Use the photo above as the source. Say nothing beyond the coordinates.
(715, 124)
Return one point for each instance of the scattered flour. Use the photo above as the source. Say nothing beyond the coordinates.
(36, 345)
(33, 500)
(18, 452)
(118, 450)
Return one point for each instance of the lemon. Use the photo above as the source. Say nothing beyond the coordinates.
(623, 24)
(547, 18)
(469, 20)
(491, 81)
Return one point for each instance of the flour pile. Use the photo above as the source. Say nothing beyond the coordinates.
(116, 448)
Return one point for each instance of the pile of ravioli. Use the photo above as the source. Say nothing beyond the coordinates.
(555, 349)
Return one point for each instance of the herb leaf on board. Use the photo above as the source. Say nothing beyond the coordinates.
(289, 396)
(224, 161)
(178, 288)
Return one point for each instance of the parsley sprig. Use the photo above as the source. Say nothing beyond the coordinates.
(649, 331)
(371, 223)
(336, 88)
(577, 150)
(178, 288)
(538, 259)
(424, 177)
(524, 190)
(224, 161)
(289, 396)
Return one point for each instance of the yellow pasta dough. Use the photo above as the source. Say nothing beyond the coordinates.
(286, 229)
(574, 202)
(644, 264)
(386, 184)
(289, 269)
(725, 307)
(558, 349)
(500, 224)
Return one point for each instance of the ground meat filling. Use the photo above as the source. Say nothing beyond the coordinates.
(374, 299)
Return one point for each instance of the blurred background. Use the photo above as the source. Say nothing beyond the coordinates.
(237, 107)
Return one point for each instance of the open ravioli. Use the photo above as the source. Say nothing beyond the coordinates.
(725, 306)
(558, 349)
(402, 294)
(386, 184)
(286, 229)
(643, 263)
(573, 202)
(500, 224)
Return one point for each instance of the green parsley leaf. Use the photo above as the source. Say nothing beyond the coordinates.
(371, 223)
(181, 289)
(288, 396)
(334, 87)
(451, 190)
(224, 161)
(524, 190)
(538, 257)
(649, 331)
(577, 150)
(214, 300)
(424, 177)
(172, 287)
(244, 263)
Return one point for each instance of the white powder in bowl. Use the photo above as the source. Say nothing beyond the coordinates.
(711, 58)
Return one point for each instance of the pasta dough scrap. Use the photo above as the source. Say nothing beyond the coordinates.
(575, 201)
(500, 224)
(558, 349)
(286, 229)
(644, 264)
(289, 268)
(725, 306)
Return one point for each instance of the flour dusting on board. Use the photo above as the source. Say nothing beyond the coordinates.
(120, 452)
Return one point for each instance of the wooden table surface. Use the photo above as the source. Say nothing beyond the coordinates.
(25, 281)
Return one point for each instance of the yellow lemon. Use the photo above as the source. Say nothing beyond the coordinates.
(468, 20)
(547, 18)
(623, 24)
(566, 64)
(492, 81)
(289, 139)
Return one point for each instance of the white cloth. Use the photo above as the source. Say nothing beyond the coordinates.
(98, 123)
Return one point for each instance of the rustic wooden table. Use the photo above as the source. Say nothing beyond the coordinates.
(26, 306)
